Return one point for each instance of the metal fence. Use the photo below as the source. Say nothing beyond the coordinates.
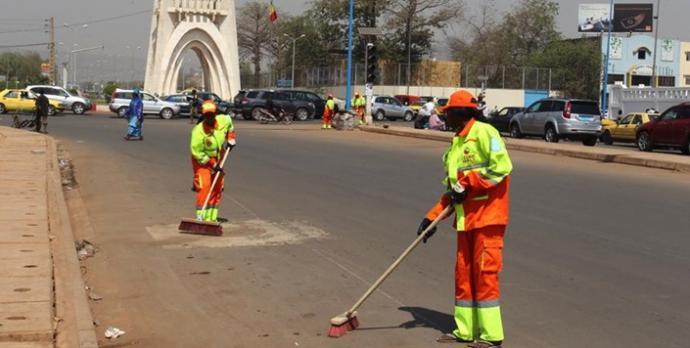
(446, 74)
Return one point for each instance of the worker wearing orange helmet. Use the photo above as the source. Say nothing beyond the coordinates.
(210, 139)
(328, 112)
(477, 182)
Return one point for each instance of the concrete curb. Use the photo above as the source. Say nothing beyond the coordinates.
(612, 156)
(75, 328)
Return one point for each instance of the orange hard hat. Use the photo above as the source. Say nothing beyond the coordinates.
(208, 108)
(461, 99)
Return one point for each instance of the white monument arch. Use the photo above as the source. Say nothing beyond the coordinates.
(208, 28)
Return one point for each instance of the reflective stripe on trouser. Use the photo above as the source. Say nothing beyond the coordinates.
(477, 293)
(202, 183)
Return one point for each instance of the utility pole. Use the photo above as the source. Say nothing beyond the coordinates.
(294, 42)
(655, 82)
(348, 91)
(605, 82)
(52, 61)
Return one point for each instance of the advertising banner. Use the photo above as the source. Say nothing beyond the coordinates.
(633, 18)
(593, 18)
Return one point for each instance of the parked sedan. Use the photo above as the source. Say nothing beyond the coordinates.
(501, 119)
(78, 105)
(625, 129)
(180, 100)
(24, 101)
(671, 129)
(387, 107)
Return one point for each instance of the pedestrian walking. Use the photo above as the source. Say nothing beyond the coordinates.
(359, 104)
(135, 114)
(193, 100)
(328, 112)
(210, 138)
(41, 119)
(477, 183)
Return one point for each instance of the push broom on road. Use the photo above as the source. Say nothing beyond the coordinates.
(206, 228)
(348, 321)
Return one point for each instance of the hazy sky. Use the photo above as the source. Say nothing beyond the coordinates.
(126, 39)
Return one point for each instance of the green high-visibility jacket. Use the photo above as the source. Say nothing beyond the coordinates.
(356, 102)
(207, 142)
(479, 161)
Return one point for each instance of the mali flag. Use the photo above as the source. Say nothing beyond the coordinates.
(272, 13)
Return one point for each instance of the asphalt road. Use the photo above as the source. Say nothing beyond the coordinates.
(596, 254)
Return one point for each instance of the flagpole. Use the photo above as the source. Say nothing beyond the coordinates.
(348, 92)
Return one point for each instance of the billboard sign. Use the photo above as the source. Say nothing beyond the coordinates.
(633, 18)
(593, 18)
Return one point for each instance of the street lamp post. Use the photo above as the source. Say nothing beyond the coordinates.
(294, 42)
(74, 54)
(655, 77)
(605, 83)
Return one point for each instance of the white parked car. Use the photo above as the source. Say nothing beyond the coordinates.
(78, 105)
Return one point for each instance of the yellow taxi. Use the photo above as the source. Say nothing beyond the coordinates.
(624, 129)
(24, 101)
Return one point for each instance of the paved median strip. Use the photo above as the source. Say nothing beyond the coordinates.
(602, 154)
(32, 267)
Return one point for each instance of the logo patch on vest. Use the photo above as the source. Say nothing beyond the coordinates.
(209, 142)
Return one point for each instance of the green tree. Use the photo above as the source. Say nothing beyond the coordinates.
(23, 67)
(109, 88)
(410, 25)
(254, 34)
(577, 66)
(527, 28)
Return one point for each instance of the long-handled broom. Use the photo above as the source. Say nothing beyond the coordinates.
(207, 228)
(348, 321)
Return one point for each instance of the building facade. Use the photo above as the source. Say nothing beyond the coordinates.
(632, 59)
(684, 77)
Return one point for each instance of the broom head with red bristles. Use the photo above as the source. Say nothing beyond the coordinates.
(343, 323)
(206, 228)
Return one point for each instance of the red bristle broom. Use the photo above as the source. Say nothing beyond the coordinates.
(348, 321)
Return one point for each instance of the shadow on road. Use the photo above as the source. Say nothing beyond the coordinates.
(423, 317)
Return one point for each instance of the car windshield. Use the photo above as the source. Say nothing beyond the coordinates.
(252, 94)
(588, 108)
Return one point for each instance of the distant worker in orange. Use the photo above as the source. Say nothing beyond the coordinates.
(477, 183)
(359, 104)
(211, 137)
(328, 112)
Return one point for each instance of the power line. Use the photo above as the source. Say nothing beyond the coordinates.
(24, 45)
(95, 21)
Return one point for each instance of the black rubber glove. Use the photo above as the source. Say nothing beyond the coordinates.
(425, 223)
(457, 193)
(217, 168)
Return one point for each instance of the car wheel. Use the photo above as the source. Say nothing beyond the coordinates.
(167, 114)
(3, 110)
(408, 117)
(686, 147)
(589, 141)
(78, 108)
(122, 112)
(643, 142)
(256, 113)
(606, 138)
(51, 110)
(302, 114)
(550, 134)
(515, 131)
(379, 115)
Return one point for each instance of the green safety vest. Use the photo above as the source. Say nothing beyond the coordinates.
(206, 145)
(478, 158)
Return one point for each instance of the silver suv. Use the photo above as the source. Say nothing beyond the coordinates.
(554, 118)
(78, 105)
(119, 103)
(383, 107)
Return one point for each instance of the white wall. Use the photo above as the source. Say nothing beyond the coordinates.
(494, 97)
